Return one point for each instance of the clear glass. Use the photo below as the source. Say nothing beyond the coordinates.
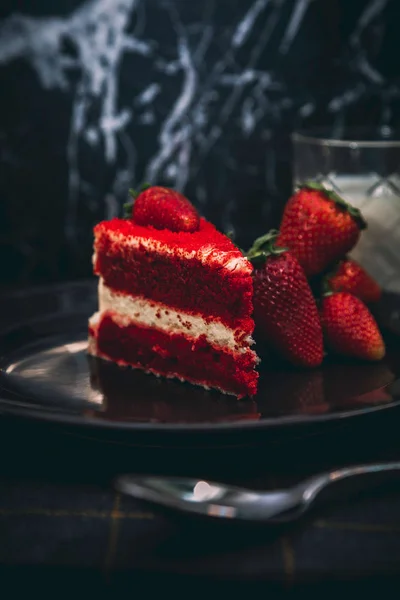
(363, 166)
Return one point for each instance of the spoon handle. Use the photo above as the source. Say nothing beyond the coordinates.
(358, 476)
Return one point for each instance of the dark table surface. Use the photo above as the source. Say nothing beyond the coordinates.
(61, 520)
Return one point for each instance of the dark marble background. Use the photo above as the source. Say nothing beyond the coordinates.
(200, 95)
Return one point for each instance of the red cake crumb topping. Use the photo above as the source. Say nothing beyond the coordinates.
(207, 234)
(175, 354)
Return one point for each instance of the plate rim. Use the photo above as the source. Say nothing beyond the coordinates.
(186, 428)
(8, 407)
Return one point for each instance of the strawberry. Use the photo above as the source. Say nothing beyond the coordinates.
(285, 312)
(319, 227)
(350, 328)
(164, 208)
(350, 277)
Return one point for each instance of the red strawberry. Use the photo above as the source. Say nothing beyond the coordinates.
(285, 311)
(163, 208)
(350, 277)
(319, 227)
(350, 328)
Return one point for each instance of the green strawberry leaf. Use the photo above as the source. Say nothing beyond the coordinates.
(263, 247)
(127, 210)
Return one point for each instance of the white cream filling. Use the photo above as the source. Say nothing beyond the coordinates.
(153, 314)
(205, 254)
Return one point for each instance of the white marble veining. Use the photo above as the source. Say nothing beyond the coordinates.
(245, 26)
(82, 54)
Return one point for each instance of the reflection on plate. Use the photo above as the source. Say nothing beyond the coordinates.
(134, 396)
(56, 375)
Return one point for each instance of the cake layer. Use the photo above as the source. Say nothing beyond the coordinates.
(172, 355)
(200, 272)
(155, 314)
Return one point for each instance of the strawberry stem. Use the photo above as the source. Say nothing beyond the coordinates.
(263, 247)
(352, 210)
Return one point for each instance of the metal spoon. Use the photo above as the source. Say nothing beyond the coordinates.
(213, 499)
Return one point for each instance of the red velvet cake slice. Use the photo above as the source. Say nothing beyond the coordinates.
(175, 304)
